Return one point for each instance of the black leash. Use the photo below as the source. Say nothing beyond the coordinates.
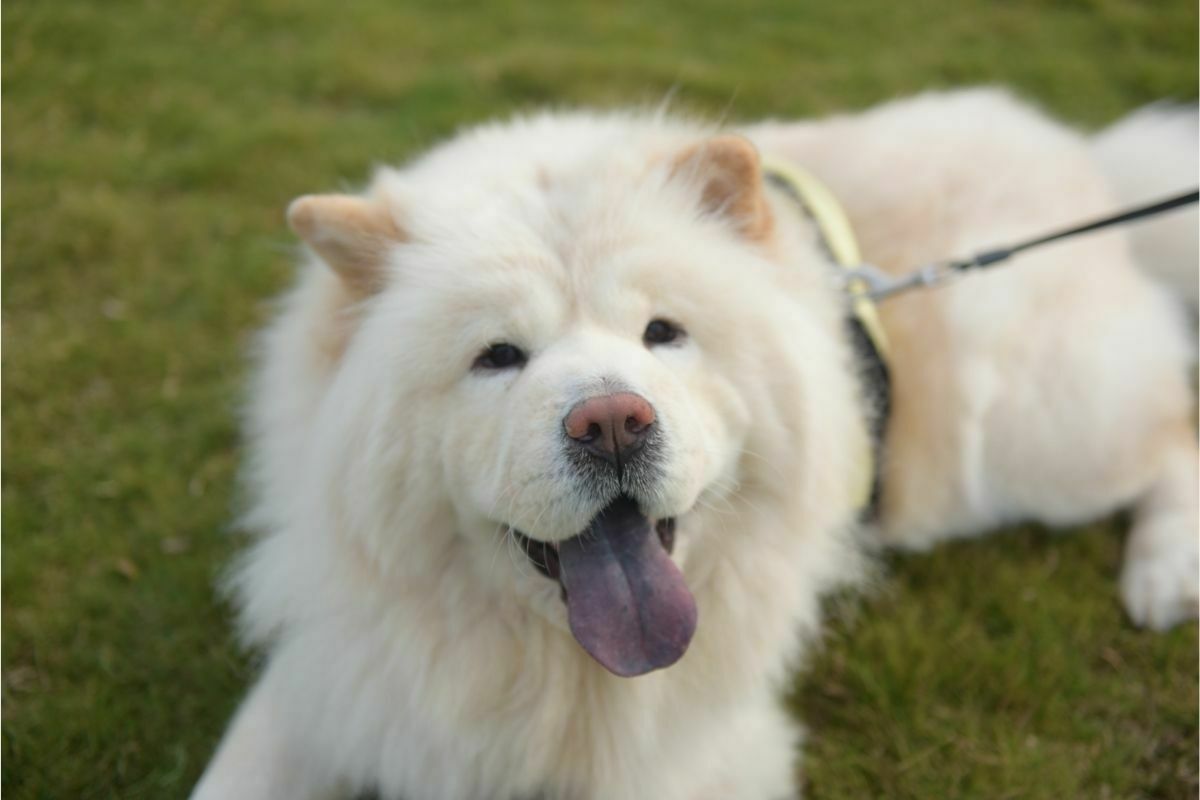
(990, 257)
(879, 285)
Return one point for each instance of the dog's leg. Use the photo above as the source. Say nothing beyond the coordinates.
(258, 759)
(1160, 581)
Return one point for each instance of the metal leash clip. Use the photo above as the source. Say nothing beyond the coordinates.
(878, 285)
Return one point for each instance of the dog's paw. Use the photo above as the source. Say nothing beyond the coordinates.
(1160, 583)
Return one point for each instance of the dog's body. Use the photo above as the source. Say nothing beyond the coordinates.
(1052, 388)
(414, 649)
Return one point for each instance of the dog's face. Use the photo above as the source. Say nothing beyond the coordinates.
(582, 383)
(565, 355)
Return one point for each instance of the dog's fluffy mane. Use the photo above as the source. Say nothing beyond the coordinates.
(449, 683)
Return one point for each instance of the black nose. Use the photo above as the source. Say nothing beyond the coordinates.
(613, 426)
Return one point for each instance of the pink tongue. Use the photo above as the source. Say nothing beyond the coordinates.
(626, 600)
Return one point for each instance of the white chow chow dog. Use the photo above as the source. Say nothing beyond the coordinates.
(560, 437)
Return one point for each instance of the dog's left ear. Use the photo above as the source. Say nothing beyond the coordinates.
(351, 234)
(729, 172)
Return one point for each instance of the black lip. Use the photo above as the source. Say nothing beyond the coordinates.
(665, 528)
(544, 555)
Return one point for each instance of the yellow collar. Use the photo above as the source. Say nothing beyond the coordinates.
(836, 235)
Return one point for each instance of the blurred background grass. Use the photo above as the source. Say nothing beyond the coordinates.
(149, 150)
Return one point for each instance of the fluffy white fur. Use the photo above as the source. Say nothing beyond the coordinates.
(412, 648)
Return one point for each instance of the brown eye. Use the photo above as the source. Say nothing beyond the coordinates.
(659, 331)
(501, 355)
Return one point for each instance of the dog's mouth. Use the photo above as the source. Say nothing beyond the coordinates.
(544, 555)
(627, 603)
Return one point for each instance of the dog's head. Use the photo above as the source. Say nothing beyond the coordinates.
(569, 336)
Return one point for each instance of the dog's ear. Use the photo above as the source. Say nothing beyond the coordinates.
(728, 170)
(351, 234)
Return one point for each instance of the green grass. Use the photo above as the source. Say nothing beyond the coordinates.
(149, 150)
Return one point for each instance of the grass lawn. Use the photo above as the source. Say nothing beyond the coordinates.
(149, 150)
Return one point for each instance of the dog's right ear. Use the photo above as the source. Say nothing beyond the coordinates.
(351, 234)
